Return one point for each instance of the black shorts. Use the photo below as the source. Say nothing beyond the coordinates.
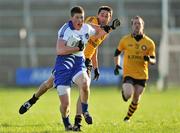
(141, 82)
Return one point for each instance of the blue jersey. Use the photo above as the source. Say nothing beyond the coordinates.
(67, 66)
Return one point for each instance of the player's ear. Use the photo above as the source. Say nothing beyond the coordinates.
(110, 18)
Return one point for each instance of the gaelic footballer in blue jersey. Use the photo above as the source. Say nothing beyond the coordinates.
(70, 67)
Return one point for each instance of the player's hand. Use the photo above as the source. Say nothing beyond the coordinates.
(96, 74)
(88, 65)
(81, 45)
(116, 70)
(146, 58)
(116, 23)
(106, 28)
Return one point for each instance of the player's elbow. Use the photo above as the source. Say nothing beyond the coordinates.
(60, 52)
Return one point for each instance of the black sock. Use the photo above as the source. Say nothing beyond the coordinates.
(77, 120)
(84, 107)
(66, 121)
(33, 99)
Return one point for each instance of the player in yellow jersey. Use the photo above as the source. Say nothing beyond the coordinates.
(91, 50)
(139, 51)
(102, 20)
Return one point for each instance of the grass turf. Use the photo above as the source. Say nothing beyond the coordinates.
(159, 112)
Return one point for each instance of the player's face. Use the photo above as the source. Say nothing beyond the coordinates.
(137, 26)
(78, 20)
(104, 17)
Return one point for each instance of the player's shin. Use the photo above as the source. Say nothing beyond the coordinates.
(43, 88)
(84, 104)
(131, 110)
(65, 118)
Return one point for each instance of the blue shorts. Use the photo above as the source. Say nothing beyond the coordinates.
(66, 67)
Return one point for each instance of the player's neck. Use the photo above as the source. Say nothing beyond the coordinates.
(138, 36)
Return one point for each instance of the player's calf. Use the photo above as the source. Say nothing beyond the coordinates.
(131, 110)
(28, 104)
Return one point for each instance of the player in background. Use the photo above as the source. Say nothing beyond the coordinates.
(102, 19)
(139, 51)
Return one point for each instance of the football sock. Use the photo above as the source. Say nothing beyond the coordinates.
(33, 99)
(66, 121)
(131, 110)
(84, 107)
(77, 120)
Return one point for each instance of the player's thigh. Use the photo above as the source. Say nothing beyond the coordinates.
(128, 89)
(81, 79)
(139, 89)
(128, 86)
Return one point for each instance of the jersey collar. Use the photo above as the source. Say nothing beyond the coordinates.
(71, 25)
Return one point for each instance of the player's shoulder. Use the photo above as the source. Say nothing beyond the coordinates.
(126, 37)
(64, 28)
(86, 26)
(91, 19)
(148, 39)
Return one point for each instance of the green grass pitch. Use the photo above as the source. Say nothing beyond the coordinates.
(159, 112)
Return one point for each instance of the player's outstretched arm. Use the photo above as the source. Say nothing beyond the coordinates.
(99, 31)
(108, 28)
(95, 65)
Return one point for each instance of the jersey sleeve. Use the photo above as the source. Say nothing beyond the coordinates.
(90, 20)
(64, 33)
(121, 45)
(91, 30)
(152, 49)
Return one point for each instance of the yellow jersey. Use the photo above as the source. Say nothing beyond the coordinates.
(134, 52)
(92, 43)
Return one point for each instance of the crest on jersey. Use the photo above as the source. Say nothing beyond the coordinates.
(143, 47)
(87, 36)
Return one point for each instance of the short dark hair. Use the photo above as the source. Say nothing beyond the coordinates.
(106, 8)
(76, 9)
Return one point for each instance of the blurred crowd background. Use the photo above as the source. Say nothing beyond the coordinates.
(28, 33)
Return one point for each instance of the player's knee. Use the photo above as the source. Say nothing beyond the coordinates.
(48, 84)
(85, 86)
(127, 90)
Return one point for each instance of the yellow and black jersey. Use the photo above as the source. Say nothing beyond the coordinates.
(92, 42)
(134, 52)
